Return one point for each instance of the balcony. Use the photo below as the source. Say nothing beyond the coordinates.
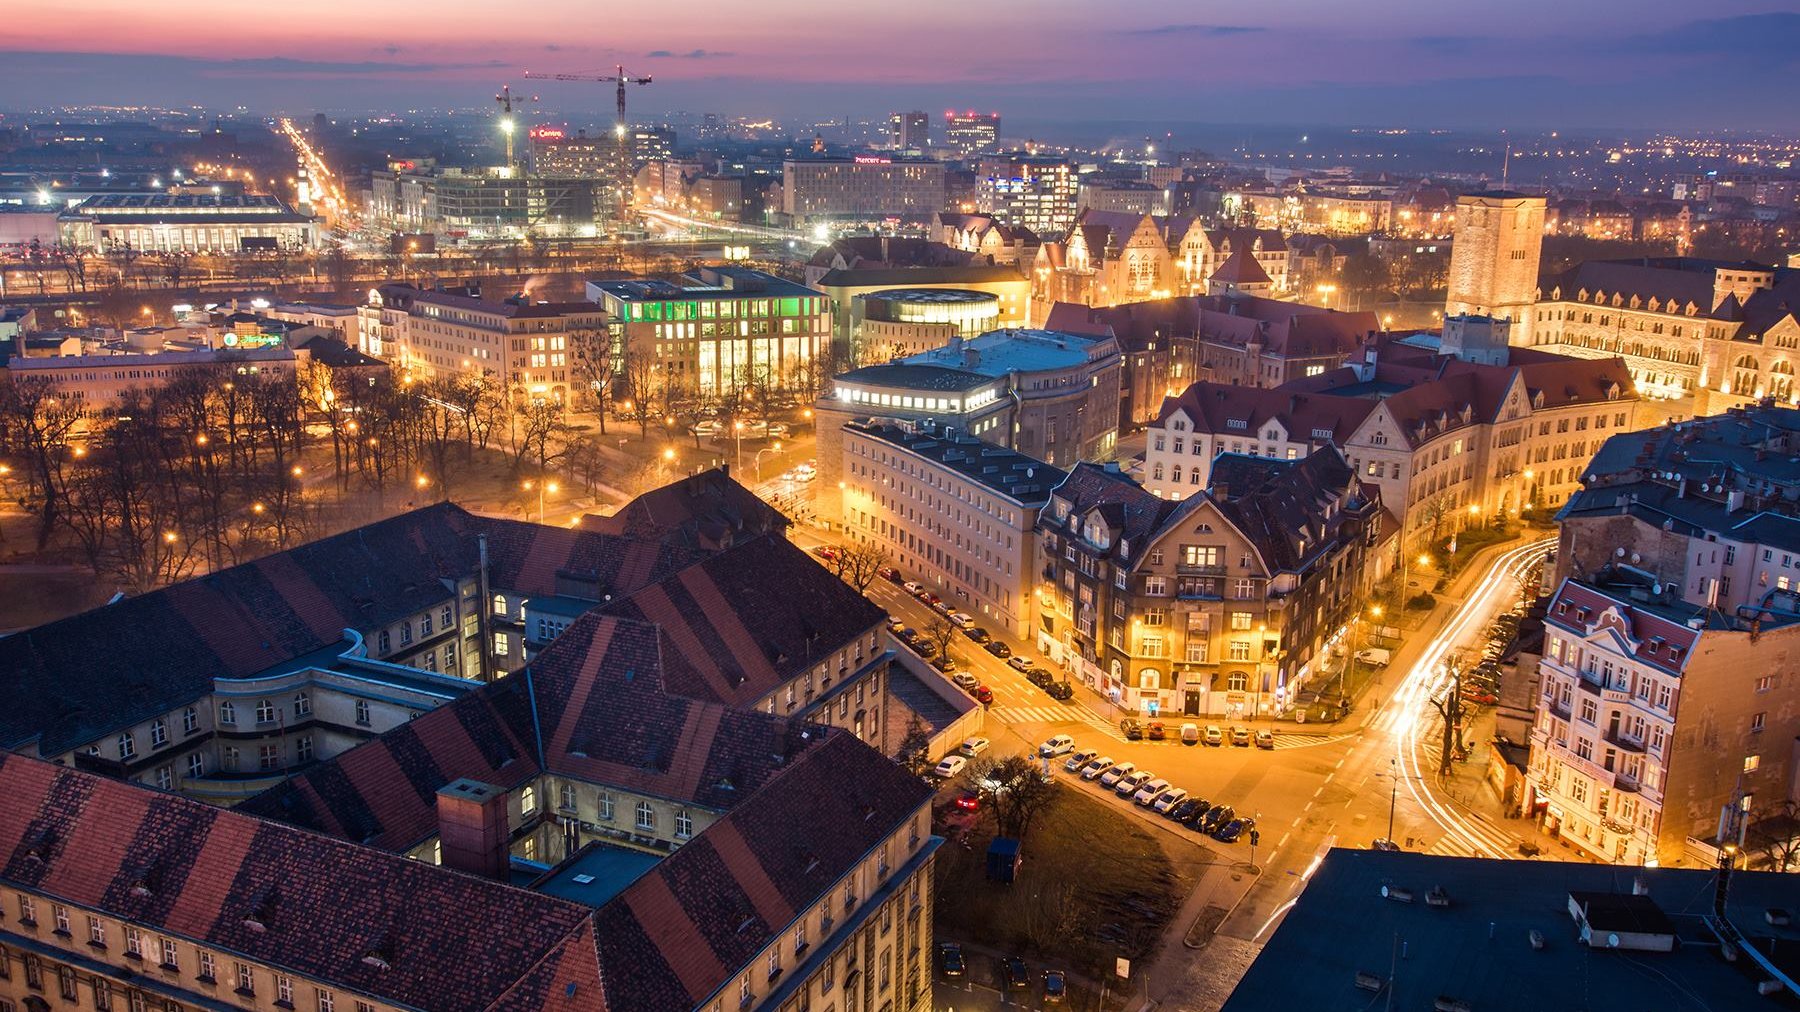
(1591, 688)
(1557, 708)
(1199, 589)
(1196, 569)
(1624, 741)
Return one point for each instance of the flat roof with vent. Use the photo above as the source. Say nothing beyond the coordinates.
(1480, 934)
(596, 873)
(1024, 479)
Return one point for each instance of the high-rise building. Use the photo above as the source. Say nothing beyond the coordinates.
(909, 131)
(1494, 262)
(968, 133)
(1038, 193)
(867, 185)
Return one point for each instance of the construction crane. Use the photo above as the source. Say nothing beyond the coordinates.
(620, 131)
(508, 126)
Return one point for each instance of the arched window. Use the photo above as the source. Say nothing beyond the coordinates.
(646, 816)
(302, 704)
(265, 712)
(1149, 678)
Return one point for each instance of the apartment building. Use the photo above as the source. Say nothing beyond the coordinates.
(956, 513)
(1720, 333)
(524, 345)
(1220, 604)
(815, 853)
(1655, 715)
(1108, 258)
(1049, 395)
(1034, 193)
(720, 329)
(1449, 442)
(989, 237)
(861, 187)
(96, 379)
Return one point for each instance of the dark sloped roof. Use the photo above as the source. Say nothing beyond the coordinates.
(1132, 509)
(77, 678)
(1276, 506)
(293, 899)
(705, 511)
(741, 623)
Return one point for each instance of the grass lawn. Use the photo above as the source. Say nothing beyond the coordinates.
(1092, 885)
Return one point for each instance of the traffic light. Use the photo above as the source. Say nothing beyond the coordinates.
(1254, 837)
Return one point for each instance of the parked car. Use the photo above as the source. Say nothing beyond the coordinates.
(950, 766)
(826, 552)
(984, 695)
(1014, 973)
(1096, 767)
(1056, 987)
(1374, 656)
(977, 633)
(889, 573)
(1019, 663)
(1184, 809)
(1265, 738)
(1128, 784)
(1240, 735)
(960, 619)
(1131, 729)
(1111, 777)
(1190, 734)
(1061, 744)
(913, 587)
(1214, 736)
(1060, 691)
(938, 605)
(1230, 831)
(997, 648)
(965, 681)
(945, 663)
(1218, 817)
(1154, 731)
(922, 646)
(968, 801)
(1079, 758)
(950, 959)
(1038, 677)
(1196, 814)
(895, 624)
(1149, 791)
(1477, 694)
(973, 747)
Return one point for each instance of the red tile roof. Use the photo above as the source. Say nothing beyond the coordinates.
(278, 895)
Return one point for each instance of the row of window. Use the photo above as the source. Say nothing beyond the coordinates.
(141, 947)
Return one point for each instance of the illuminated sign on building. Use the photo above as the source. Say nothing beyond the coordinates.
(873, 160)
(546, 134)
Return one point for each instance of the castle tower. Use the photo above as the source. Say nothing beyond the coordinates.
(1499, 239)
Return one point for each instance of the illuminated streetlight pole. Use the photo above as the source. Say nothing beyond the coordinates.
(759, 455)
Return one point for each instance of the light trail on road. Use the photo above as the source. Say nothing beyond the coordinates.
(1410, 710)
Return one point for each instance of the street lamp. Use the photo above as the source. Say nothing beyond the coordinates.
(541, 486)
(737, 429)
(759, 455)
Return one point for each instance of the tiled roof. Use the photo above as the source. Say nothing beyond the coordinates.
(401, 931)
(1657, 640)
(72, 680)
(78, 678)
(741, 623)
(1240, 268)
(702, 512)
(1276, 506)
(1214, 406)
(1131, 509)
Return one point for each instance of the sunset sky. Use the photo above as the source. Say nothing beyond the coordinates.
(1609, 63)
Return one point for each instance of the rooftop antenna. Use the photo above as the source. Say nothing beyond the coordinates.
(1505, 160)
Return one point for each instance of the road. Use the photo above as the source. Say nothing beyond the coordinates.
(1320, 787)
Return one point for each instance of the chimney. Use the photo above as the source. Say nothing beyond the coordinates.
(472, 828)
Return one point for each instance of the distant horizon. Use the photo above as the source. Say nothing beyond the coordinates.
(1593, 66)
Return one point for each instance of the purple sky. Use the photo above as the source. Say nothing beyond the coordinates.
(1602, 63)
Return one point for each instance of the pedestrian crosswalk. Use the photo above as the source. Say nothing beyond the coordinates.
(1055, 715)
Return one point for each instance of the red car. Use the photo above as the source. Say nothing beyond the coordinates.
(968, 801)
(826, 551)
(984, 695)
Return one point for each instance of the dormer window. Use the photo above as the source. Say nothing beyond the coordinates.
(1124, 548)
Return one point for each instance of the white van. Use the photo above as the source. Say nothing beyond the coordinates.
(1062, 744)
(1375, 656)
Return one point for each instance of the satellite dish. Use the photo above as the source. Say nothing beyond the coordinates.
(1612, 940)
(1384, 892)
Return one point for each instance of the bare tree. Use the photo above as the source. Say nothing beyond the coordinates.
(1015, 787)
(643, 387)
(594, 362)
(1449, 707)
(1775, 833)
(38, 421)
(914, 754)
(859, 564)
(941, 633)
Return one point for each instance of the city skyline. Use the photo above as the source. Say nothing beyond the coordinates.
(1307, 63)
